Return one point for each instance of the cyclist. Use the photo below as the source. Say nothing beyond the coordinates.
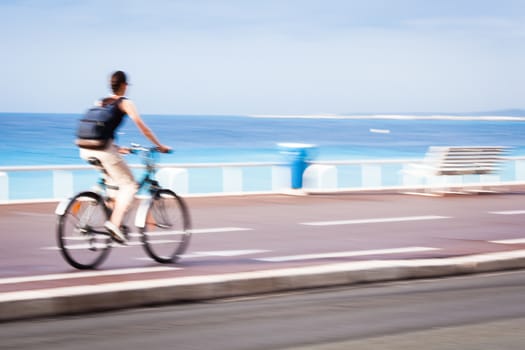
(110, 155)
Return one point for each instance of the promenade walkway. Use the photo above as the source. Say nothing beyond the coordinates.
(269, 243)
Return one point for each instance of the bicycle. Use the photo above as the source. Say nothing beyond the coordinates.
(162, 219)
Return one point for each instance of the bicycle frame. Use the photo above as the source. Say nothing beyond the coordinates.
(146, 181)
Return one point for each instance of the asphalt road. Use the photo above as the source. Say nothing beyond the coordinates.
(471, 312)
(254, 233)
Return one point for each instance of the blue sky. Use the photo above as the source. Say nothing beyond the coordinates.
(265, 57)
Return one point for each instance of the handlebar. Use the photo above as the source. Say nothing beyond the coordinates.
(136, 148)
(148, 155)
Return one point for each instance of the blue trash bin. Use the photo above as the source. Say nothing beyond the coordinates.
(297, 155)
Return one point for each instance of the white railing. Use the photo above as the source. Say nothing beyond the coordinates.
(371, 175)
(54, 182)
(50, 183)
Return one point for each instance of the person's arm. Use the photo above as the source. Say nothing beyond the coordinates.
(129, 108)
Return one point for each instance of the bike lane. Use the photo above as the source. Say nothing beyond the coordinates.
(261, 234)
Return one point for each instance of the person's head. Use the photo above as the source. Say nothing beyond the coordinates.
(119, 82)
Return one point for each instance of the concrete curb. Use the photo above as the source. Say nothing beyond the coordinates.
(112, 296)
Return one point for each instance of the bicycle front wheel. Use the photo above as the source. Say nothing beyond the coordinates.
(166, 231)
(80, 231)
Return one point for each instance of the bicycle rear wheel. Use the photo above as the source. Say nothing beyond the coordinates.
(81, 236)
(166, 231)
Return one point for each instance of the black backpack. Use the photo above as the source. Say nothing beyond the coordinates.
(96, 127)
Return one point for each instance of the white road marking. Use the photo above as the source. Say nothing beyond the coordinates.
(220, 253)
(97, 245)
(224, 253)
(348, 254)
(510, 241)
(26, 213)
(162, 289)
(62, 276)
(220, 230)
(374, 221)
(508, 212)
(197, 231)
(138, 243)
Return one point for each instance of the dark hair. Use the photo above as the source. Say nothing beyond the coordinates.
(117, 79)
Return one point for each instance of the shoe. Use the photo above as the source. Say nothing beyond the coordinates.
(115, 232)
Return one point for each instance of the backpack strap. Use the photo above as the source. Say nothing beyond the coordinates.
(111, 100)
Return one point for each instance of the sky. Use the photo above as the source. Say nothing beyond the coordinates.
(238, 57)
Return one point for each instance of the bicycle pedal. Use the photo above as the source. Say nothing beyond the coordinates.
(125, 230)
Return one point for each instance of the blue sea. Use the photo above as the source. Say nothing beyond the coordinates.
(47, 139)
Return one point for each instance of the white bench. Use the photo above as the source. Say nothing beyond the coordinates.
(442, 162)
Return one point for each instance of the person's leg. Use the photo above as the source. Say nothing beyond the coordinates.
(121, 176)
(118, 174)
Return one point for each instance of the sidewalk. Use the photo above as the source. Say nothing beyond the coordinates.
(274, 244)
